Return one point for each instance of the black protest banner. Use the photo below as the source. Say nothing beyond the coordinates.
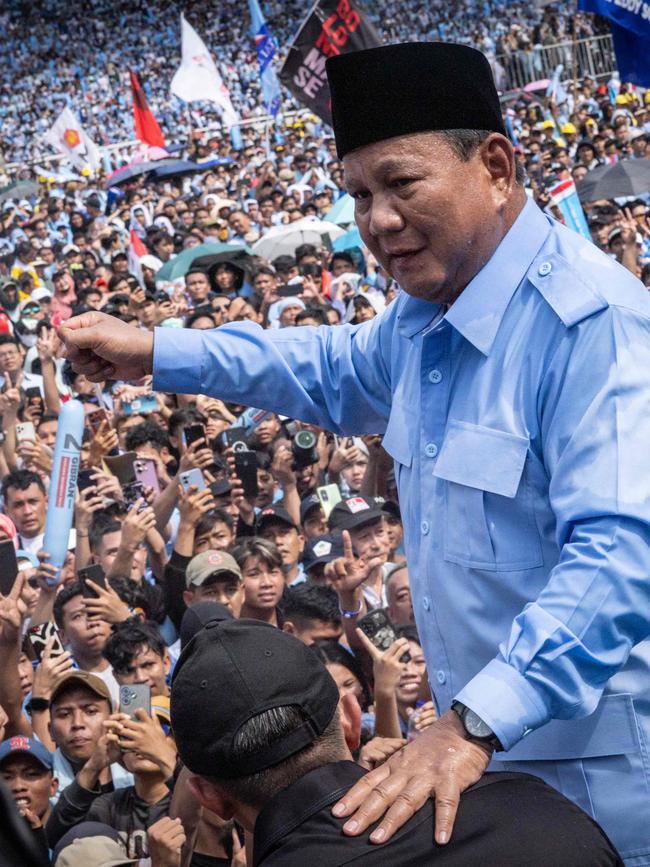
(332, 27)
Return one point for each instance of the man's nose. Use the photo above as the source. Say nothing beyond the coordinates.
(384, 219)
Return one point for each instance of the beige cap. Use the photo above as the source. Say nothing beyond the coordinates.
(210, 563)
(93, 852)
(82, 679)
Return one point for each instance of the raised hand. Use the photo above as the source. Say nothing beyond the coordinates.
(12, 610)
(348, 573)
(102, 347)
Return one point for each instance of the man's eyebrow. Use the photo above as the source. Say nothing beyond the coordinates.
(384, 167)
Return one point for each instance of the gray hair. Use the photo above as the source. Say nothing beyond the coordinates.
(465, 142)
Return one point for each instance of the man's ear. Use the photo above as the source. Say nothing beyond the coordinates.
(210, 797)
(350, 712)
(188, 597)
(288, 627)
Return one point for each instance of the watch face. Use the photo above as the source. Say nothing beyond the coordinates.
(475, 725)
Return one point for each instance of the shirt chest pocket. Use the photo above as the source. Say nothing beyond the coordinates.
(489, 520)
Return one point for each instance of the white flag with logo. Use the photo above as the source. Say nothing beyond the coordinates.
(69, 138)
(198, 77)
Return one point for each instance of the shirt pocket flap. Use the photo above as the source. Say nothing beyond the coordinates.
(402, 425)
(610, 731)
(482, 457)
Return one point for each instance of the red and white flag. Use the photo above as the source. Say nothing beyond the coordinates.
(137, 250)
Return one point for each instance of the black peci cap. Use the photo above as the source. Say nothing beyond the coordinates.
(396, 90)
(234, 670)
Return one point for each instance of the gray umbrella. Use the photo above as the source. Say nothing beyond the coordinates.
(625, 178)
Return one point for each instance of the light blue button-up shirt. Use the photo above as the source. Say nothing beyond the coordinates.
(519, 423)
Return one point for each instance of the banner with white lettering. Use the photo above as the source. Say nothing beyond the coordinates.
(630, 23)
(332, 27)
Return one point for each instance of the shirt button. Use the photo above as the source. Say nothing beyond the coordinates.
(435, 376)
(424, 526)
(544, 269)
(441, 677)
(431, 450)
(425, 603)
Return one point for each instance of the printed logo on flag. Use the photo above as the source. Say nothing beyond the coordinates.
(72, 138)
(356, 504)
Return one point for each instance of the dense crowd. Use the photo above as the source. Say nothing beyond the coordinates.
(187, 507)
(53, 56)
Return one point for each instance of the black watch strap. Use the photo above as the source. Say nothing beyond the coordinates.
(489, 739)
(36, 703)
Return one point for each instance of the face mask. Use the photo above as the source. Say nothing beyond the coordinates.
(29, 323)
(28, 340)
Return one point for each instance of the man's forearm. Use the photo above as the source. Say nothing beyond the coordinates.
(11, 694)
(52, 399)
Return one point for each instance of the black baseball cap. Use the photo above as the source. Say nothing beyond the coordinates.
(308, 505)
(353, 512)
(322, 549)
(273, 514)
(256, 667)
(196, 617)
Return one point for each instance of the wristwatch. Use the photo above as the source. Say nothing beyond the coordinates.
(36, 704)
(476, 728)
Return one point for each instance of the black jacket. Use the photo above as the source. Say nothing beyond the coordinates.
(505, 820)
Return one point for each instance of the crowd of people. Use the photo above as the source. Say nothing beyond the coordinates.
(188, 508)
(53, 57)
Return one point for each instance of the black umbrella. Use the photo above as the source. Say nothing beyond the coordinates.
(178, 167)
(625, 178)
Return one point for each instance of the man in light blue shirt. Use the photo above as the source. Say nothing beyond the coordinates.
(511, 382)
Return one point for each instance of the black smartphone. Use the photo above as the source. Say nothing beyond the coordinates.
(85, 479)
(8, 567)
(193, 433)
(235, 438)
(135, 696)
(246, 469)
(93, 573)
(35, 399)
(376, 625)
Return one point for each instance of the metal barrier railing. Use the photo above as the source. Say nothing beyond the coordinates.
(594, 56)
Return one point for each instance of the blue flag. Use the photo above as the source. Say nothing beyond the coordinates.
(266, 48)
(630, 23)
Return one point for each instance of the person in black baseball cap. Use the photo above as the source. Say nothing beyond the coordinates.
(312, 517)
(363, 519)
(276, 525)
(276, 757)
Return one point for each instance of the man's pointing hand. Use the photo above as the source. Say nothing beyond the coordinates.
(102, 347)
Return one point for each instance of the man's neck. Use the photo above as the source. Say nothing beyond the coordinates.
(290, 573)
(150, 788)
(93, 662)
(266, 615)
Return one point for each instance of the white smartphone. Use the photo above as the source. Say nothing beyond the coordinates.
(329, 496)
(25, 431)
(192, 477)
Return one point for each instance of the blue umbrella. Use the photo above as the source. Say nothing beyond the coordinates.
(342, 211)
(348, 241)
(177, 167)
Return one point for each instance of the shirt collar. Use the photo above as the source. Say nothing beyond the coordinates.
(294, 805)
(479, 309)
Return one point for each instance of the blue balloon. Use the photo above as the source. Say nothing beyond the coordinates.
(63, 485)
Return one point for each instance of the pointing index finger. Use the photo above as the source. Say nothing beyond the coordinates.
(347, 546)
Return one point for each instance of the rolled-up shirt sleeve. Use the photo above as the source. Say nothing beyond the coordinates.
(593, 407)
(335, 377)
